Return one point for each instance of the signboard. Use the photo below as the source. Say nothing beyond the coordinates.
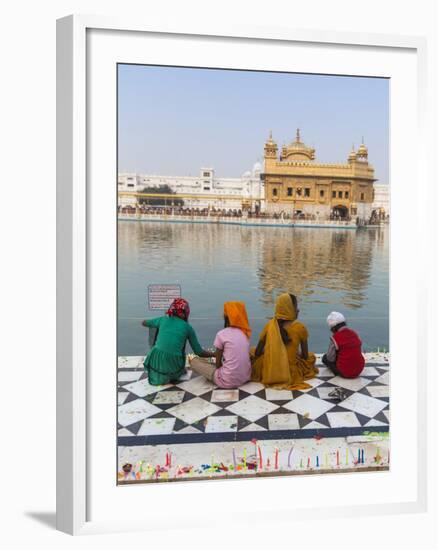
(161, 296)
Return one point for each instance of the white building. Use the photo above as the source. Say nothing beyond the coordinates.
(202, 191)
(381, 198)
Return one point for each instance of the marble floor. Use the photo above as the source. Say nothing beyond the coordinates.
(195, 410)
(193, 429)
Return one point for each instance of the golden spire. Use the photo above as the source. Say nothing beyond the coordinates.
(298, 138)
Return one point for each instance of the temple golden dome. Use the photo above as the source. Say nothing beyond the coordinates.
(363, 150)
(270, 147)
(297, 150)
(270, 141)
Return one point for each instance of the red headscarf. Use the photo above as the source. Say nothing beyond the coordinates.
(179, 308)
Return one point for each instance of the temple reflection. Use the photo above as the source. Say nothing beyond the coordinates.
(311, 263)
(317, 263)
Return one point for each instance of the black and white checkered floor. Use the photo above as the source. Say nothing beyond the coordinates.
(196, 411)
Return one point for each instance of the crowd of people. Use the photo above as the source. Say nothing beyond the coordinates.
(218, 212)
(181, 211)
(281, 359)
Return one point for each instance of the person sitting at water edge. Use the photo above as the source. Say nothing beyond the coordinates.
(166, 360)
(344, 355)
(281, 359)
(232, 366)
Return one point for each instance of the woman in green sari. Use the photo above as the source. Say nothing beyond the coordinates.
(166, 360)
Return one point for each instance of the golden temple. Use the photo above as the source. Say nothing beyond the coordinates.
(295, 183)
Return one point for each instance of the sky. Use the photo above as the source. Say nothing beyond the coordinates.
(174, 121)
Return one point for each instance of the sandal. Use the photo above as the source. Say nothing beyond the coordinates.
(338, 394)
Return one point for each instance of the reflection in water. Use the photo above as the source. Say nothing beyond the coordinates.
(314, 263)
(327, 268)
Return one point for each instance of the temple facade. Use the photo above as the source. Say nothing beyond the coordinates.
(296, 184)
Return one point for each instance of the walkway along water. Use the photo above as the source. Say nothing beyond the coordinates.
(280, 222)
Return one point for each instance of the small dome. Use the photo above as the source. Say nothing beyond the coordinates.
(257, 167)
(247, 174)
(270, 141)
(362, 151)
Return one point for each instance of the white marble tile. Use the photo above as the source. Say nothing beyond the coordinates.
(377, 357)
(283, 422)
(252, 387)
(314, 425)
(155, 426)
(309, 406)
(324, 372)
(362, 404)
(123, 432)
(121, 397)
(131, 362)
(219, 396)
(343, 420)
(353, 384)
(278, 395)
(193, 410)
(383, 379)
(253, 428)
(143, 388)
(252, 408)
(221, 424)
(134, 411)
(129, 375)
(188, 430)
(197, 386)
(370, 371)
(388, 415)
(169, 397)
(378, 391)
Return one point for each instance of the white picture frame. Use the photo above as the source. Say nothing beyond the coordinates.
(77, 226)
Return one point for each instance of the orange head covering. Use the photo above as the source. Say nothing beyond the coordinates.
(237, 317)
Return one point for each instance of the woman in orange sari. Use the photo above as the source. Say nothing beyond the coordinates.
(281, 359)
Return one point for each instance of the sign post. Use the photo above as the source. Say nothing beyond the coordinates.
(161, 296)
